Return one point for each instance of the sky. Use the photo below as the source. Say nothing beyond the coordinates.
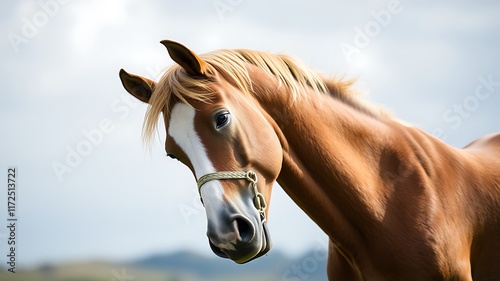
(87, 187)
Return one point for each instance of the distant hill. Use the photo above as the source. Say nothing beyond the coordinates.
(182, 266)
(275, 265)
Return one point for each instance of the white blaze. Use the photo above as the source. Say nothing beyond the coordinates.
(181, 129)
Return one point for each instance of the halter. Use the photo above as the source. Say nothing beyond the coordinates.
(258, 200)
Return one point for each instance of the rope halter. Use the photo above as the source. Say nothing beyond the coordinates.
(258, 200)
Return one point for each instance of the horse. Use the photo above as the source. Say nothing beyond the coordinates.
(396, 202)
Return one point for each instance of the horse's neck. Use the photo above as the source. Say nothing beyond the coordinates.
(337, 162)
(332, 161)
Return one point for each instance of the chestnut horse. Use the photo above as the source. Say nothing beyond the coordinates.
(396, 203)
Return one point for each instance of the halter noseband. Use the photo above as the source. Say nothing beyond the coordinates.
(258, 200)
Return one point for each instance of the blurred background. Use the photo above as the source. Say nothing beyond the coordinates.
(94, 204)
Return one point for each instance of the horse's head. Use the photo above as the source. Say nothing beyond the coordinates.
(225, 139)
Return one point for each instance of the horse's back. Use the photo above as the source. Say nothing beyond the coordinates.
(484, 154)
(489, 142)
(486, 150)
(485, 246)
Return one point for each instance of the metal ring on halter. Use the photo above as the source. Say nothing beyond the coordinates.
(258, 200)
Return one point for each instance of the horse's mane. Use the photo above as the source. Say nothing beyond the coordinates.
(175, 83)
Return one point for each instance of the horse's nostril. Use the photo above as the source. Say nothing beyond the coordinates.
(244, 228)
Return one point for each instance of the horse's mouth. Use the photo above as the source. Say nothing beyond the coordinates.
(245, 253)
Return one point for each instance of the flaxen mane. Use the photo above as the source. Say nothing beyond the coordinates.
(232, 64)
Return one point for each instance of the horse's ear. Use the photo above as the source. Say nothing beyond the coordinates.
(191, 63)
(139, 87)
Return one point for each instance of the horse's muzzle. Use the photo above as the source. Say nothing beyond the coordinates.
(243, 243)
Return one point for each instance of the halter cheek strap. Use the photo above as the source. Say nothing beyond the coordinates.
(258, 200)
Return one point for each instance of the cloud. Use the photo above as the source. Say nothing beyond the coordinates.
(92, 19)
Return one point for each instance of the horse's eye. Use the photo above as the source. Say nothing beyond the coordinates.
(222, 119)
